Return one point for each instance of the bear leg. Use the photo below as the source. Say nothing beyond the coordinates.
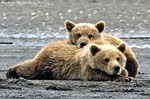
(25, 70)
(98, 75)
(132, 67)
(44, 74)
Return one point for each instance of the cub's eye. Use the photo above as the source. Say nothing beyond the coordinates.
(90, 36)
(118, 58)
(106, 59)
(79, 35)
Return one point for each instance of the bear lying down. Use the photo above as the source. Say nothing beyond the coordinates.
(83, 33)
(66, 62)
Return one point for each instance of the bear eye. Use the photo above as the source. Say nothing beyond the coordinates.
(106, 60)
(118, 58)
(90, 36)
(79, 35)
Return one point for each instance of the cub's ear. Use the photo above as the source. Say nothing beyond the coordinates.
(122, 47)
(69, 25)
(100, 26)
(94, 49)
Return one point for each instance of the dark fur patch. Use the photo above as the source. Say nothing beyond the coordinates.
(130, 67)
(102, 75)
(45, 74)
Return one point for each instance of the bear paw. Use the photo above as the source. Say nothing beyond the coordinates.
(12, 74)
(124, 79)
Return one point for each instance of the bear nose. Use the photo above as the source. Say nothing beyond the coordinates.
(116, 69)
(82, 44)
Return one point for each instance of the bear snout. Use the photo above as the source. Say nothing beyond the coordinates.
(82, 44)
(116, 69)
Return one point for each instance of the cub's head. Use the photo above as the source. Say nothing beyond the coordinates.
(83, 33)
(108, 58)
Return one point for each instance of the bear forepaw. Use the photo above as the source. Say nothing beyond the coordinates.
(12, 74)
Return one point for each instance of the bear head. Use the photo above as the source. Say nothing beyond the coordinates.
(108, 58)
(83, 33)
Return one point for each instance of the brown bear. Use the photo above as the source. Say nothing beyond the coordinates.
(66, 62)
(81, 34)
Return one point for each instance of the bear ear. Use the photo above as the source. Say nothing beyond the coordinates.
(69, 25)
(122, 47)
(100, 26)
(94, 49)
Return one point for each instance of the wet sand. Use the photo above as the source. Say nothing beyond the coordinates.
(27, 25)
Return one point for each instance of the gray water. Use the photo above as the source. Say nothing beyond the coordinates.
(36, 22)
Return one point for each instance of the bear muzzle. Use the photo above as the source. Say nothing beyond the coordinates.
(116, 69)
(82, 44)
(83, 41)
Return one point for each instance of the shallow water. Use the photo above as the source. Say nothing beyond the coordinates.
(21, 21)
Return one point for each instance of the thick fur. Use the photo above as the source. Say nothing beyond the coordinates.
(132, 64)
(63, 61)
(83, 33)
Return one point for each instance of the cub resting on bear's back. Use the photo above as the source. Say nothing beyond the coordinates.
(83, 33)
(62, 61)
